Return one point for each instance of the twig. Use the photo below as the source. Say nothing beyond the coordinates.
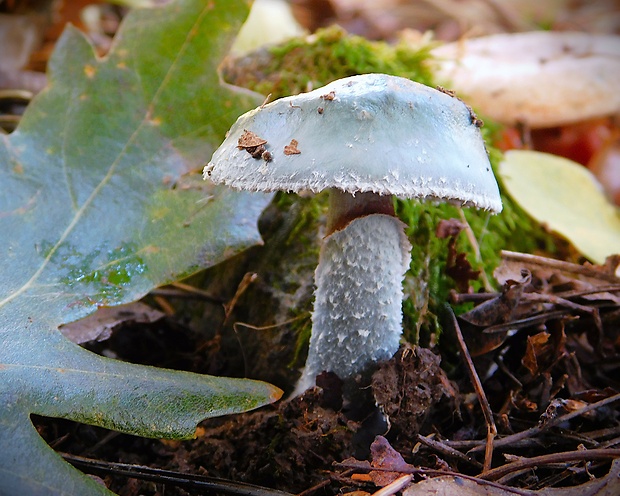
(448, 451)
(547, 482)
(471, 237)
(612, 442)
(537, 429)
(325, 482)
(584, 292)
(563, 302)
(556, 300)
(554, 458)
(164, 305)
(482, 399)
(245, 283)
(183, 290)
(599, 434)
(457, 298)
(552, 263)
(192, 481)
(315, 488)
(236, 325)
(525, 322)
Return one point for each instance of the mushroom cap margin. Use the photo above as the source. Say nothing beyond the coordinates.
(373, 132)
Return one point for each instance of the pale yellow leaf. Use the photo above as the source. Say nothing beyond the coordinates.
(565, 197)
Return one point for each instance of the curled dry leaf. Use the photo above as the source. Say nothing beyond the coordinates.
(457, 265)
(390, 461)
(100, 325)
(449, 228)
(543, 350)
(538, 291)
(584, 276)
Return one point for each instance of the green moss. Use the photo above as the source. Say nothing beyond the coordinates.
(427, 285)
(311, 62)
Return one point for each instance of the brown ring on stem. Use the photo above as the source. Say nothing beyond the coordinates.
(345, 207)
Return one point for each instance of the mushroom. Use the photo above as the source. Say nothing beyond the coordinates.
(364, 138)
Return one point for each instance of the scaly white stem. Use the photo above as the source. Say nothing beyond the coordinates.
(357, 318)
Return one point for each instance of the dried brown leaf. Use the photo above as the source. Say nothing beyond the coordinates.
(536, 346)
(100, 325)
(385, 457)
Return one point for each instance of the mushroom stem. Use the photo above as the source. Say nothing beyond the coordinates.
(357, 318)
(344, 207)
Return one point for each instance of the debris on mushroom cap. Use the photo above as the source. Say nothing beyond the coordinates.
(383, 134)
(291, 148)
(249, 140)
(254, 145)
(541, 79)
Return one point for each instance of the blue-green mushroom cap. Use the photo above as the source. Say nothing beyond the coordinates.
(369, 133)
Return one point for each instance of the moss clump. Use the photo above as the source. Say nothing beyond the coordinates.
(310, 62)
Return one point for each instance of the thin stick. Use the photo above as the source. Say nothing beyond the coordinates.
(189, 481)
(537, 429)
(554, 458)
(473, 297)
(480, 297)
(245, 283)
(446, 450)
(247, 280)
(474, 244)
(315, 488)
(525, 322)
(612, 442)
(552, 263)
(170, 292)
(236, 325)
(482, 399)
